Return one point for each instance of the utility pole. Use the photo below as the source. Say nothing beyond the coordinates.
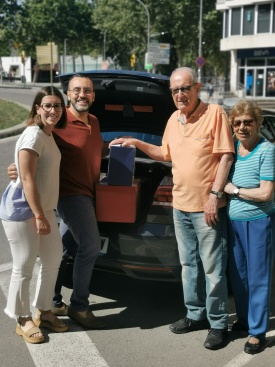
(200, 39)
(65, 56)
(148, 25)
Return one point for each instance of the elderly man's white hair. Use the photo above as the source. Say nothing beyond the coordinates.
(190, 71)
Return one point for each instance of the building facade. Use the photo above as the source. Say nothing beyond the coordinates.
(12, 68)
(249, 35)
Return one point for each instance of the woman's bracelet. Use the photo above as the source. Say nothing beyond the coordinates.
(40, 217)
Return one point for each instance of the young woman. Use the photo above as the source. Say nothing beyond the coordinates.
(38, 166)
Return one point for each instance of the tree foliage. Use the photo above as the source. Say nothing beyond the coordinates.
(9, 22)
(120, 26)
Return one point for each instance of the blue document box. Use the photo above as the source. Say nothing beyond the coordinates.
(121, 165)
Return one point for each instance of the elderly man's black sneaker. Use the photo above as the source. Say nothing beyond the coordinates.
(216, 339)
(186, 325)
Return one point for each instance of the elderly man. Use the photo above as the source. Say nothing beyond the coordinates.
(198, 141)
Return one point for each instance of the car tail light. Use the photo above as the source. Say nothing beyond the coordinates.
(163, 195)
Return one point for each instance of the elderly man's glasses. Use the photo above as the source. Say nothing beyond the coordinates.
(48, 107)
(77, 91)
(184, 89)
(246, 123)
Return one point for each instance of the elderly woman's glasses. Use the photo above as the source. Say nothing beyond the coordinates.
(246, 123)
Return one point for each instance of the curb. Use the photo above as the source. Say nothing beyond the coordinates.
(17, 129)
(14, 130)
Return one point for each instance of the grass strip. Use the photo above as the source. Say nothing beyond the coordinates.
(11, 114)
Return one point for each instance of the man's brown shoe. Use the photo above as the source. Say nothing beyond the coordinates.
(86, 319)
(60, 311)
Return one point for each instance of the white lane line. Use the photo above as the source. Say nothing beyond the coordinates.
(240, 360)
(73, 348)
(243, 358)
(5, 267)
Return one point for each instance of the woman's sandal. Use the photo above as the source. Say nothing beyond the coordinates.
(28, 335)
(57, 325)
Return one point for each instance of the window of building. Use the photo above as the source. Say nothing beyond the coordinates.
(270, 82)
(264, 12)
(270, 61)
(255, 62)
(248, 20)
(236, 22)
(226, 23)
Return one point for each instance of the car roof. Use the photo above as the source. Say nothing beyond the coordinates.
(128, 100)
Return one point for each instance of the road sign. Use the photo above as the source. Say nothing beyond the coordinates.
(159, 53)
(147, 65)
(200, 61)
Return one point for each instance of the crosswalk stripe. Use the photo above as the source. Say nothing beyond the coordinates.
(72, 348)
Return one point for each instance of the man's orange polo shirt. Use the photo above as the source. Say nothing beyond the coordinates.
(195, 149)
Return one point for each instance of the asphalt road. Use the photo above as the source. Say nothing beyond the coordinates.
(137, 313)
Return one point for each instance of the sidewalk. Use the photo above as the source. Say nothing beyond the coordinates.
(11, 131)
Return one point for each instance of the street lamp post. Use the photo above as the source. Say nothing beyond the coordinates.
(200, 39)
(148, 24)
(104, 46)
(64, 56)
(1, 70)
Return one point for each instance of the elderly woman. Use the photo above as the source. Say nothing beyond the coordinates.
(252, 223)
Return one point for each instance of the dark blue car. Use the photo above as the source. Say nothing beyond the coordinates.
(137, 104)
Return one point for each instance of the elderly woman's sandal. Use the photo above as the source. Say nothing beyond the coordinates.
(28, 335)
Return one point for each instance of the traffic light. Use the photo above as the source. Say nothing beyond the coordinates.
(22, 55)
(132, 60)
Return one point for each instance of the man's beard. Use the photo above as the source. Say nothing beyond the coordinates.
(81, 108)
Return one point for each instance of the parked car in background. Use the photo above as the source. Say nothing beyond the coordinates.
(268, 126)
(130, 103)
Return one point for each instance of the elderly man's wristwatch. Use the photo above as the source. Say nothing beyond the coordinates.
(217, 193)
(236, 191)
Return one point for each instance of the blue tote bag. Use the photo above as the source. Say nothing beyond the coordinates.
(14, 206)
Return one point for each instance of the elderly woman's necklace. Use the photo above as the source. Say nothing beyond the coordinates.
(245, 151)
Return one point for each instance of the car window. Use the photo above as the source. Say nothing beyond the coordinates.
(268, 128)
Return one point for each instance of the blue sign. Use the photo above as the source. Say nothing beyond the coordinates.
(200, 61)
(256, 52)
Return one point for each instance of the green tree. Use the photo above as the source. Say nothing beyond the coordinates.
(120, 26)
(9, 21)
(44, 21)
(123, 22)
(176, 22)
(181, 20)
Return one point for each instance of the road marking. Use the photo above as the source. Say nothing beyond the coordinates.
(73, 348)
(5, 267)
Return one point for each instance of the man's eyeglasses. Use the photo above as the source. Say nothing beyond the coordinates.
(184, 89)
(77, 91)
(246, 123)
(48, 107)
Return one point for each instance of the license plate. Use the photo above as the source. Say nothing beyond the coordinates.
(104, 245)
